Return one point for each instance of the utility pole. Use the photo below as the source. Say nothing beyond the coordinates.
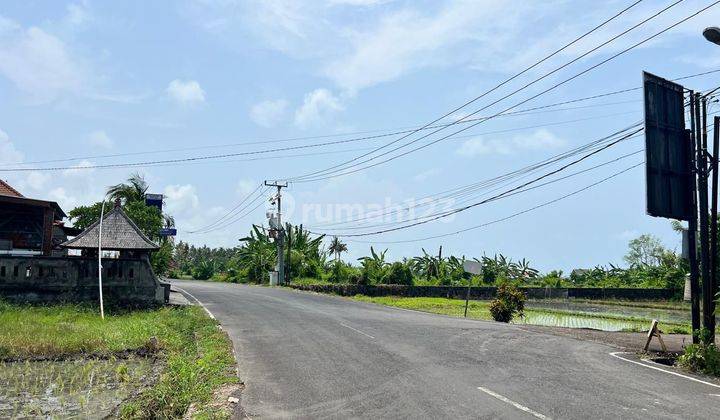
(707, 281)
(281, 232)
(692, 226)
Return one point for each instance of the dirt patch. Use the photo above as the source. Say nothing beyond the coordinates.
(226, 401)
(628, 341)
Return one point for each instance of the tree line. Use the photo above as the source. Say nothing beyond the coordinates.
(308, 260)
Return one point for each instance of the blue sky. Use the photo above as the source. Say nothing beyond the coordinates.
(84, 79)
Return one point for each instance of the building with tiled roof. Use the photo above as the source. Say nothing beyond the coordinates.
(7, 189)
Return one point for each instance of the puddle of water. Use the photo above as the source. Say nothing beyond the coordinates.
(70, 388)
(663, 315)
(571, 321)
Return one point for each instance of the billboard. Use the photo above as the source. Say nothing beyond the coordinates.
(668, 150)
(154, 200)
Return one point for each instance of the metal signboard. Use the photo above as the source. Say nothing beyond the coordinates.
(668, 154)
(154, 200)
(168, 232)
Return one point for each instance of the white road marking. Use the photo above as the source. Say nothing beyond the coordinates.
(513, 403)
(196, 300)
(617, 353)
(356, 330)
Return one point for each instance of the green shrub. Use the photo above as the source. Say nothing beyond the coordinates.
(702, 357)
(398, 273)
(339, 272)
(508, 303)
(204, 270)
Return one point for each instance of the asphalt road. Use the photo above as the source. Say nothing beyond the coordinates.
(304, 355)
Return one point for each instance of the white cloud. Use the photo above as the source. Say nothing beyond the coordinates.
(100, 139)
(185, 92)
(8, 153)
(80, 172)
(38, 63)
(318, 106)
(37, 180)
(361, 3)
(245, 187)
(539, 139)
(77, 13)
(425, 175)
(181, 200)
(268, 113)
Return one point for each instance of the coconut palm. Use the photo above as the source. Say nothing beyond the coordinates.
(131, 191)
(337, 247)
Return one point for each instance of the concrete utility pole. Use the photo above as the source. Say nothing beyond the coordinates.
(281, 231)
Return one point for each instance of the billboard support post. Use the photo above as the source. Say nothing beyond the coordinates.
(692, 231)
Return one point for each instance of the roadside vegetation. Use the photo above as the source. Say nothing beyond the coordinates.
(195, 355)
(318, 260)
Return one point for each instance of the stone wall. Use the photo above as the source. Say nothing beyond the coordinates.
(75, 279)
(483, 293)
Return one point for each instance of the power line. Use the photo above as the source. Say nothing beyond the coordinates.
(235, 218)
(547, 203)
(170, 162)
(487, 92)
(336, 173)
(518, 173)
(196, 159)
(534, 187)
(229, 211)
(469, 206)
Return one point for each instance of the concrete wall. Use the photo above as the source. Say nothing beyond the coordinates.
(481, 293)
(75, 279)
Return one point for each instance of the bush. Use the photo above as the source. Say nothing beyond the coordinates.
(508, 303)
(339, 273)
(204, 270)
(398, 273)
(701, 357)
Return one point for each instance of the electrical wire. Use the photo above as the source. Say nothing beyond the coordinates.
(544, 204)
(487, 92)
(469, 206)
(518, 173)
(336, 173)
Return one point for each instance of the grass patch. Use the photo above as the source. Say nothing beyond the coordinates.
(477, 309)
(198, 355)
(480, 310)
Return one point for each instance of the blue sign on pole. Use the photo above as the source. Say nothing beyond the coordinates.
(168, 232)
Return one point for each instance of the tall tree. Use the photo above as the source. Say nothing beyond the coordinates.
(337, 247)
(133, 190)
(645, 250)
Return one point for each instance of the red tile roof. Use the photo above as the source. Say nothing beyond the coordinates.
(6, 189)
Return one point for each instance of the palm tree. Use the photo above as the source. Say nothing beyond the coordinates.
(337, 247)
(131, 191)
